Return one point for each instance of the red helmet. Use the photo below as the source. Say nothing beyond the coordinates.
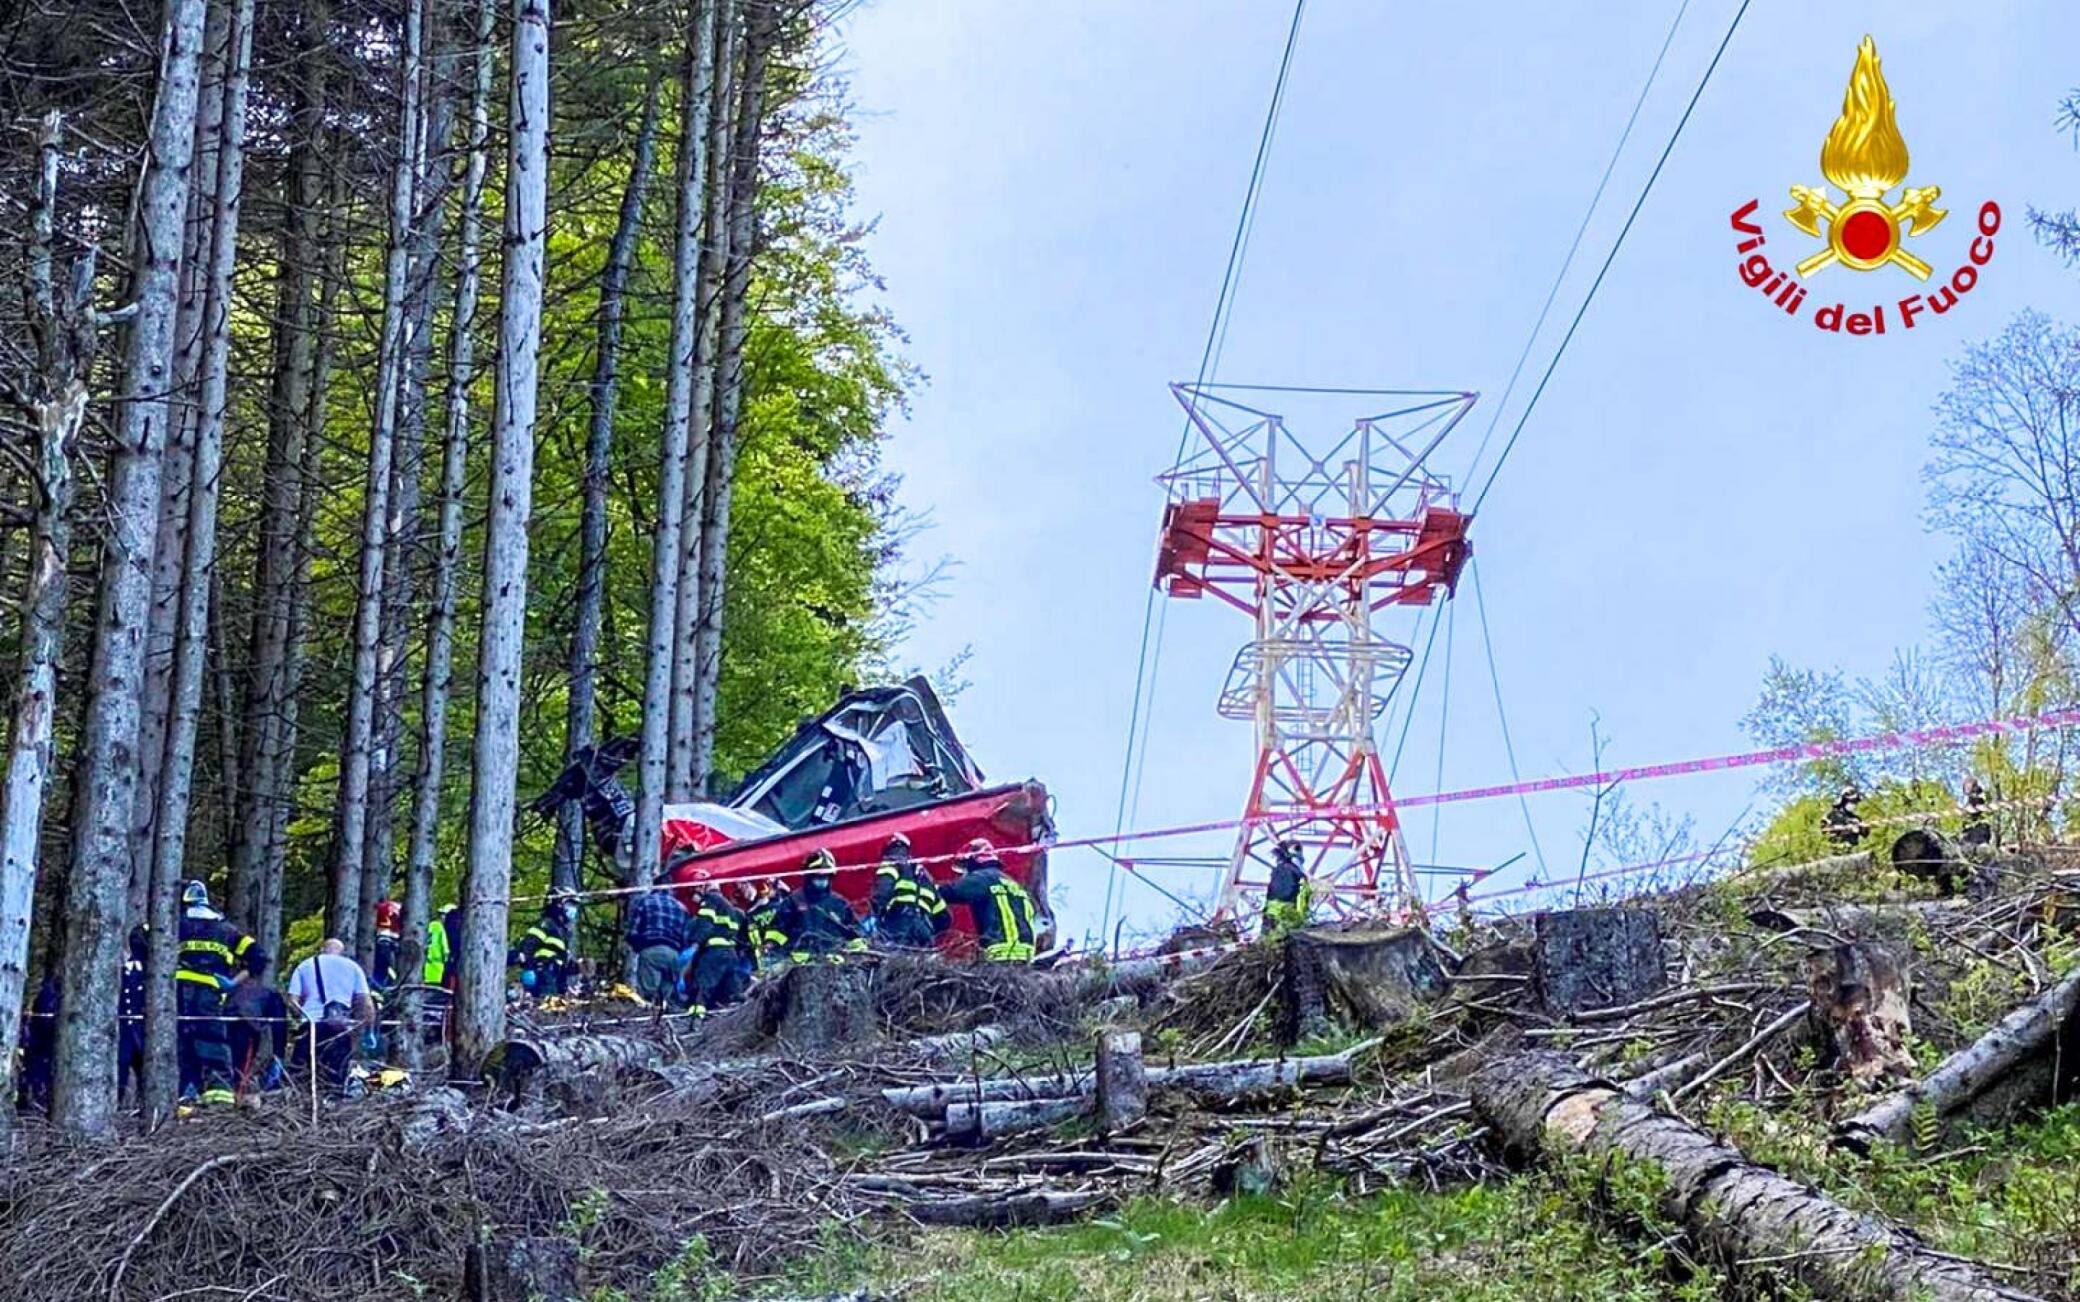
(976, 853)
(389, 915)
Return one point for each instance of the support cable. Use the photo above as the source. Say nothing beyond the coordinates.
(1616, 245)
(1509, 748)
(1567, 262)
(1151, 653)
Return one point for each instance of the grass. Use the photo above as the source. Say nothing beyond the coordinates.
(1524, 1239)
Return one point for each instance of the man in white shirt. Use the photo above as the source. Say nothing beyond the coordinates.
(331, 991)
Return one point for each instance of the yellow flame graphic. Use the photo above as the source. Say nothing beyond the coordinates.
(1865, 155)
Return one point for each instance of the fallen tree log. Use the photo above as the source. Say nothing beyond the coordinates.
(514, 1062)
(1210, 1078)
(2028, 1031)
(1212, 1083)
(1747, 1216)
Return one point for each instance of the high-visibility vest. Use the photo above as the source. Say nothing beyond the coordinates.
(436, 970)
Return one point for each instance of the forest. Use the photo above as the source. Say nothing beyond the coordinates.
(396, 398)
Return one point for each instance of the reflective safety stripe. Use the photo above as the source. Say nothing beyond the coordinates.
(199, 978)
(211, 947)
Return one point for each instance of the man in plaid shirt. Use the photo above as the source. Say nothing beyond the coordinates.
(657, 925)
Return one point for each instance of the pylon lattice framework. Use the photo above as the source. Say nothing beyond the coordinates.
(1315, 546)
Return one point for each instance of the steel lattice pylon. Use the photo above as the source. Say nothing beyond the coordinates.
(1314, 541)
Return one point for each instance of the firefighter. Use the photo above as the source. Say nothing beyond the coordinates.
(1289, 899)
(130, 1015)
(213, 955)
(767, 921)
(1003, 909)
(907, 909)
(40, 1046)
(544, 952)
(382, 968)
(1842, 824)
(822, 923)
(1977, 831)
(714, 976)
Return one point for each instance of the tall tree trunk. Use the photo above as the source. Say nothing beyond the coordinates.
(350, 820)
(191, 642)
(665, 548)
(392, 662)
(96, 914)
(480, 1002)
(762, 29)
(283, 492)
(707, 293)
(579, 724)
(63, 333)
(440, 631)
(177, 472)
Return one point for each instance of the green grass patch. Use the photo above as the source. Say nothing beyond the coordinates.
(1528, 1238)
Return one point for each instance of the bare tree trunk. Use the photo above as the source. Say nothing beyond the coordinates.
(55, 401)
(177, 473)
(261, 760)
(480, 1001)
(762, 29)
(96, 911)
(579, 726)
(350, 821)
(386, 772)
(191, 642)
(440, 632)
(671, 480)
(714, 266)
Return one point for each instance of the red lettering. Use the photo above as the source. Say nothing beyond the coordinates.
(1982, 257)
(1857, 324)
(1747, 210)
(1965, 278)
(1989, 217)
(1909, 308)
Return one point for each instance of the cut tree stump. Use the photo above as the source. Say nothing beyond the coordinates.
(824, 1006)
(1371, 979)
(1977, 1079)
(1860, 995)
(1585, 959)
(1927, 855)
(1122, 1081)
(1750, 1218)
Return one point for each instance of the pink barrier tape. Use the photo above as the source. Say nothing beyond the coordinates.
(1950, 734)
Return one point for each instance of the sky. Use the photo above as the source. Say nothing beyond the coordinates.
(1706, 482)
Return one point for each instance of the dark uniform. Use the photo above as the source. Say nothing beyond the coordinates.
(260, 1036)
(714, 974)
(544, 953)
(1977, 831)
(820, 922)
(130, 1018)
(39, 1048)
(767, 924)
(1003, 910)
(1289, 898)
(1842, 824)
(212, 954)
(908, 911)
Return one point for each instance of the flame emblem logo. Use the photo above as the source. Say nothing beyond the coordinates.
(1864, 157)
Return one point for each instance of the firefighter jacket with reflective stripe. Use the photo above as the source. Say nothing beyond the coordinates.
(716, 924)
(768, 921)
(544, 945)
(212, 951)
(1003, 909)
(908, 905)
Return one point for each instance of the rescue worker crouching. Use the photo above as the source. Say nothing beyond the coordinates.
(1289, 898)
(657, 925)
(820, 924)
(908, 909)
(767, 920)
(713, 976)
(1003, 909)
(544, 952)
(214, 954)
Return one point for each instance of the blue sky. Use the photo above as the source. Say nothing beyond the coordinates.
(1705, 483)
